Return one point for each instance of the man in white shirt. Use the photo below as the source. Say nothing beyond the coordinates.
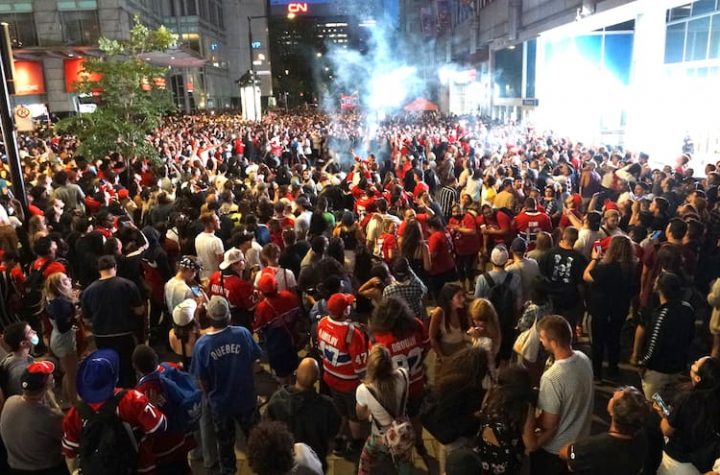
(565, 400)
(208, 247)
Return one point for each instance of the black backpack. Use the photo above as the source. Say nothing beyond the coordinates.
(502, 298)
(106, 445)
(34, 289)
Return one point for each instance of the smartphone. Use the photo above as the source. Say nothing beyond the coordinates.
(196, 290)
(598, 249)
(661, 404)
(656, 235)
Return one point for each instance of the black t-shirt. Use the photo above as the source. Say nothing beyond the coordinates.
(603, 454)
(691, 428)
(564, 268)
(109, 303)
(292, 257)
(611, 290)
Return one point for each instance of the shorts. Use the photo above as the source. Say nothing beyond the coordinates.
(62, 344)
(345, 404)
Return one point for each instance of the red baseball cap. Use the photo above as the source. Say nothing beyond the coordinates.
(267, 284)
(35, 376)
(337, 304)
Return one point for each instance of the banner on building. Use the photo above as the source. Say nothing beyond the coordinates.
(29, 78)
(348, 102)
(443, 14)
(23, 119)
(427, 21)
(75, 72)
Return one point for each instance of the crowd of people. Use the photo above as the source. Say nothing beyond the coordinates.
(433, 274)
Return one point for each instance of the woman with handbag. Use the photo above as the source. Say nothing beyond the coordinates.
(382, 397)
(692, 424)
(62, 310)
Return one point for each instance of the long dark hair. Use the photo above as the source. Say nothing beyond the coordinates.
(706, 398)
(509, 400)
(411, 239)
(444, 301)
(466, 368)
(393, 315)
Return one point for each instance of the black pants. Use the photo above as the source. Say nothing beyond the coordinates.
(545, 463)
(466, 267)
(436, 282)
(124, 345)
(606, 329)
(224, 426)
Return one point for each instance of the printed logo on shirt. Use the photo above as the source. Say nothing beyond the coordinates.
(224, 350)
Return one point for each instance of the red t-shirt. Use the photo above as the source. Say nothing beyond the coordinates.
(343, 363)
(501, 221)
(52, 268)
(409, 352)
(134, 409)
(465, 244)
(529, 223)
(271, 307)
(565, 221)
(388, 244)
(238, 292)
(421, 218)
(440, 253)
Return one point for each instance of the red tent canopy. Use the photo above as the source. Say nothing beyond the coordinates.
(421, 105)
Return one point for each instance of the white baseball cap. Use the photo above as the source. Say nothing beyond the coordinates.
(184, 312)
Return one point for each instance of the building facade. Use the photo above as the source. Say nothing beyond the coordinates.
(52, 37)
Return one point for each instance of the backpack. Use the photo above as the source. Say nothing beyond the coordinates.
(106, 445)
(399, 436)
(502, 298)
(183, 401)
(34, 289)
(295, 323)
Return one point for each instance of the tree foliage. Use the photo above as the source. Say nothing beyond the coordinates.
(131, 96)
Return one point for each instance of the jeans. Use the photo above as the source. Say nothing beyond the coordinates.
(224, 425)
(657, 382)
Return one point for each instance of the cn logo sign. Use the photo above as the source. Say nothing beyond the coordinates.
(297, 7)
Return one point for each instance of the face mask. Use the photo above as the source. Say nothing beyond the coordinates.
(34, 340)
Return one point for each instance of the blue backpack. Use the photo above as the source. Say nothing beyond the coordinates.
(183, 398)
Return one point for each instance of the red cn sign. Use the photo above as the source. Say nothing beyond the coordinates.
(297, 7)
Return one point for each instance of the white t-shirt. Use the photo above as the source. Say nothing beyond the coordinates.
(377, 413)
(176, 290)
(208, 247)
(285, 279)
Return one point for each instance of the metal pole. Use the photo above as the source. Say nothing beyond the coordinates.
(252, 67)
(6, 120)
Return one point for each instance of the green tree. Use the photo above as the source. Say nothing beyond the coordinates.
(131, 96)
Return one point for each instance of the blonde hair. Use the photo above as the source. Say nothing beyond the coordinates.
(380, 374)
(53, 289)
(483, 310)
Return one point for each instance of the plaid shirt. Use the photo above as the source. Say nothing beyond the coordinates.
(411, 291)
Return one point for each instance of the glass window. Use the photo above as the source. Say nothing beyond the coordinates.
(675, 43)
(679, 13)
(80, 27)
(715, 37)
(618, 56)
(22, 29)
(531, 60)
(190, 8)
(509, 64)
(703, 6)
(697, 39)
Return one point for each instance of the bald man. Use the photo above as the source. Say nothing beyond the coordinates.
(311, 417)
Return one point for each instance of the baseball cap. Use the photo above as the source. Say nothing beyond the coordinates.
(518, 245)
(218, 308)
(499, 255)
(98, 375)
(190, 262)
(231, 257)
(184, 312)
(36, 375)
(267, 283)
(337, 304)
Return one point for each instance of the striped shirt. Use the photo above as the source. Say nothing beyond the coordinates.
(566, 389)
